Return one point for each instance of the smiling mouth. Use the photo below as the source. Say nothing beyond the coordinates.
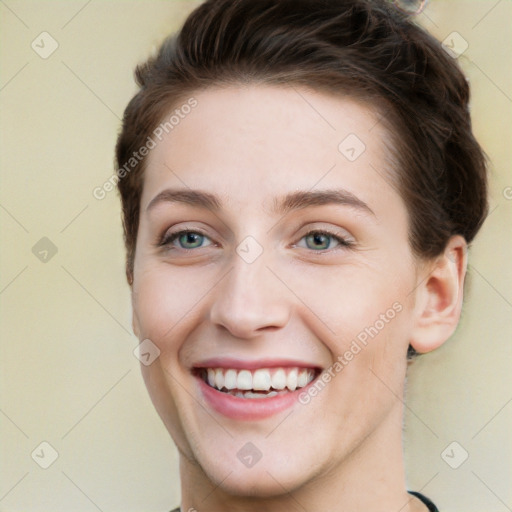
(260, 383)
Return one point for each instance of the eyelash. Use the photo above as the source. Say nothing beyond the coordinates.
(343, 243)
(168, 239)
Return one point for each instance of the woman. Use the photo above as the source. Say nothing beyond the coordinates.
(299, 184)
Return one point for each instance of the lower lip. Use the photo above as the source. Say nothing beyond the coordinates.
(247, 408)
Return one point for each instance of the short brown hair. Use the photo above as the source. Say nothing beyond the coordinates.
(367, 49)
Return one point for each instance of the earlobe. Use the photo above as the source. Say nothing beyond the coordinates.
(439, 297)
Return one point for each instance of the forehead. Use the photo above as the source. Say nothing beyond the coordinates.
(249, 143)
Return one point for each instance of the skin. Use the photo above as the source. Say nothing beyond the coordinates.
(248, 145)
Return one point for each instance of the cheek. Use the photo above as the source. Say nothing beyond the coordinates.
(160, 299)
(356, 301)
(166, 300)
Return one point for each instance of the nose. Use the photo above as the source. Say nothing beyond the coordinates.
(250, 300)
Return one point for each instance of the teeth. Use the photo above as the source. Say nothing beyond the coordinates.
(211, 377)
(244, 380)
(230, 379)
(219, 378)
(279, 379)
(302, 379)
(261, 380)
(261, 383)
(291, 380)
(250, 394)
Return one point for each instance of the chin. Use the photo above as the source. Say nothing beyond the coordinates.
(266, 479)
(261, 484)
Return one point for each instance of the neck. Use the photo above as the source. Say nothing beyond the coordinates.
(371, 478)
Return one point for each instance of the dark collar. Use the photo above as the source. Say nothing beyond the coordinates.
(424, 499)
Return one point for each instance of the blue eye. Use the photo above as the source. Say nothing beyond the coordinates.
(186, 239)
(315, 240)
(321, 240)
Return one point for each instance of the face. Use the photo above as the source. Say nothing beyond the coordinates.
(274, 274)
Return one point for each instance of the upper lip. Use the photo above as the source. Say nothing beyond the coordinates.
(244, 364)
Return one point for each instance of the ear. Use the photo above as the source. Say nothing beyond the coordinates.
(439, 297)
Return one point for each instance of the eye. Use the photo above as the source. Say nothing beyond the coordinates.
(323, 240)
(186, 239)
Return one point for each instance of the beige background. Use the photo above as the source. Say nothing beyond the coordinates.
(68, 375)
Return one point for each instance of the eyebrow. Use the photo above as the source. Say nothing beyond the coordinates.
(304, 199)
(191, 197)
(292, 201)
